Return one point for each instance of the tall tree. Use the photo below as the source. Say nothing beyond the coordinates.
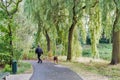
(10, 7)
(116, 35)
(71, 29)
(77, 8)
(44, 15)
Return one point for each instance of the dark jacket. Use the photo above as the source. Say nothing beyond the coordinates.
(38, 51)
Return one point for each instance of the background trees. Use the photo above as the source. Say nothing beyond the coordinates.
(8, 9)
(61, 27)
(116, 35)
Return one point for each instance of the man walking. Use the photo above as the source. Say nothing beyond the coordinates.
(39, 52)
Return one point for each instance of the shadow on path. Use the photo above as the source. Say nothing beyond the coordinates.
(51, 71)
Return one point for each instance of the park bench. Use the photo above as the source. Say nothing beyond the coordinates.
(3, 75)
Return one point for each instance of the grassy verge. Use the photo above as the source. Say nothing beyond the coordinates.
(98, 68)
(105, 51)
(24, 67)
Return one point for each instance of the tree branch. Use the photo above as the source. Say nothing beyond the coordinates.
(9, 3)
(16, 8)
(91, 6)
(95, 3)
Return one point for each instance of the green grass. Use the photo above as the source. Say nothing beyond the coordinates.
(101, 68)
(23, 67)
(105, 51)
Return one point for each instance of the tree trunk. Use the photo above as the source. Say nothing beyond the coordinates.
(38, 33)
(10, 43)
(116, 48)
(116, 40)
(48, 41)
(70, 35)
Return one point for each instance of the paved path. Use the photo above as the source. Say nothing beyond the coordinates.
(51, 71)
(19, 77)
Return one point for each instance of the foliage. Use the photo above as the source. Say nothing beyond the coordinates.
(105, 51)
(8, 8)
(17, 54)
(30, 55)
(4, 58)
(104, 40)
(7, 68)
(91, 20)
(76, 48)
(86, 53)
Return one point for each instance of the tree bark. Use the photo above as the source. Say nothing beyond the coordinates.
(70, 35)
(116, 40)
(10, 43)
(116, 48)
(48, 41)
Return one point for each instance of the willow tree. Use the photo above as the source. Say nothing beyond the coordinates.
(10, 7)
(110, 21)
(71, 29)
(116, 34)
(76, 11)
(95, 28)
(37, 13)
(33, 14)
(59, 15)
(90, 9)
(107, 17)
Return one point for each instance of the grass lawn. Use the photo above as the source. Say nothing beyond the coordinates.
(95, 70)
(24, 67)
(105, 51)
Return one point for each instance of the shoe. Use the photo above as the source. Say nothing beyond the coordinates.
(41, 61)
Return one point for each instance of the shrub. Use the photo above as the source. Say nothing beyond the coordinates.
(17, 54)
(105, 56)
(86, 53)
(5, 58)
(105, 51)
(7, 68)
(31, 55)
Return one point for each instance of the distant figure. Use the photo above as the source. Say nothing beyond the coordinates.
(39, 52)
(55, 58)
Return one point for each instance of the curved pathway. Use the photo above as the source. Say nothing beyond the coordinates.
(51, 71)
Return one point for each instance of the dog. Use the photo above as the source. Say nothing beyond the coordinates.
(55, 58)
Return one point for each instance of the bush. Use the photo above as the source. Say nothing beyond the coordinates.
(86, 53)
(17, 54)
(31, 55)
(105, 56)
(7, 68)
(104, 40)
(105, 51)
(5, 58)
